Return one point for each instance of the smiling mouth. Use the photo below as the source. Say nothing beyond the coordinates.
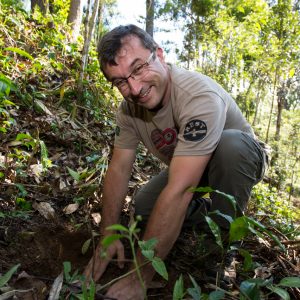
(146, 93)
(141, 98)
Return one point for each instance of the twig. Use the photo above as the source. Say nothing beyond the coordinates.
(13, 293)
(289, 242)
(280, 258)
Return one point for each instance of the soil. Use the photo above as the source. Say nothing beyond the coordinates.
(41, 244)
(41, 247)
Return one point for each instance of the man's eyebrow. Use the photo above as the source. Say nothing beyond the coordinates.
(131, 66)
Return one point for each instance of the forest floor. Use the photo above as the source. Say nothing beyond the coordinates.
(42, 237)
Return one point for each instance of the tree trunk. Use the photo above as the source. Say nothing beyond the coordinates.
(99, 27)
(272, 105)
(150, 16)
(74, 18)
(42, 4)
(281, 95)
(87, 40)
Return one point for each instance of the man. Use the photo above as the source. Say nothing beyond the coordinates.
(189, 122)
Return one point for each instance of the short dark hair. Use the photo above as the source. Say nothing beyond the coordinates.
(111, 43)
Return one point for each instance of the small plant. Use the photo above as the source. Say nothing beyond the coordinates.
(71, 286)
(239, 228)
(179, 292)
(6, 86)
(146, 247)
(251, 288)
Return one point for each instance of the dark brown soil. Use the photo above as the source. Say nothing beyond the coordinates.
(41, 247)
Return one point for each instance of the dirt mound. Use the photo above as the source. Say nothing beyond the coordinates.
(41, 250)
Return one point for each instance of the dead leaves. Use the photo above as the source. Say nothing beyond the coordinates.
(45, 209)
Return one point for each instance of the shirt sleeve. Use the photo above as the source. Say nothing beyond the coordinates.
(125, 135)
(201, 120)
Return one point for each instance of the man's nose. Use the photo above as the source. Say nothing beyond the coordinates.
(135, 86)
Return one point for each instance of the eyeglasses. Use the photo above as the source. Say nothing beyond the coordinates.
(137, 74)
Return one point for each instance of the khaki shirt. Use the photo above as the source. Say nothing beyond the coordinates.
(191, 123)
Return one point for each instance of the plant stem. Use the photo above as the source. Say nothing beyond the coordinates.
(120, 277)
(137, 267)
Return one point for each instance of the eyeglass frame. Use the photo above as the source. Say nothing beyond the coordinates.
(141, 66)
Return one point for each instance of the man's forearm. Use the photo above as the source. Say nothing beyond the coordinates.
(114, 192)
(165, 224)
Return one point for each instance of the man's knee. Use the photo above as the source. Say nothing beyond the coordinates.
(146, 197)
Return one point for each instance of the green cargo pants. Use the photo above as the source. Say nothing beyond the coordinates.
(237, 164)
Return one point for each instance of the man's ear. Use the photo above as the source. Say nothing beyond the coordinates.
(160, 54)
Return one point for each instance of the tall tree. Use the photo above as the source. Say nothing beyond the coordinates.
(99, 21)
(89, 29)
(286, 30)
(150, 6)
(74, 17)
(42, 4)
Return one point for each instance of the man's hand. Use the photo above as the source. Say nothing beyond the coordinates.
(128, 288)
(97, 265)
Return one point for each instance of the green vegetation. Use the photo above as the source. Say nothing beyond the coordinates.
(57, 128)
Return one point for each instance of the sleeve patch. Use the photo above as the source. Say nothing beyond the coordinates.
(195, 131)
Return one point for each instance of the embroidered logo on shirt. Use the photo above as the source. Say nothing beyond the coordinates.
(195, 130)
(165, 141)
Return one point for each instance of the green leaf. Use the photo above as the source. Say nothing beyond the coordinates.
(8, 103)
(178, 291)
(23, 136)
(208, 189)
(23, 204)
(117, 227)
(148, 254)
(160, 267)
(228, 197)
(67, 270)
(291, 72)
(205, 189)
(290, 282)
(226, 217)
(264, 229)
(23, 192)
(216, 295)
(279, 291)
(74, 174)
(240, 8)
(250, 289)
(85, 246)
(132, 227)
(20, 52)
(107, 241)
(6, 85)
(239, 228)
(147, 245)
(215, 230)
(46, 163)
(195, 291)
(6, 277)
(248, 262)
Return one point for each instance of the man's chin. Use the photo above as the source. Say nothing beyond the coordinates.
(146, 104)
(156, 107)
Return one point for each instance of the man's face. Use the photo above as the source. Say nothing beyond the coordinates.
(152, 89)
